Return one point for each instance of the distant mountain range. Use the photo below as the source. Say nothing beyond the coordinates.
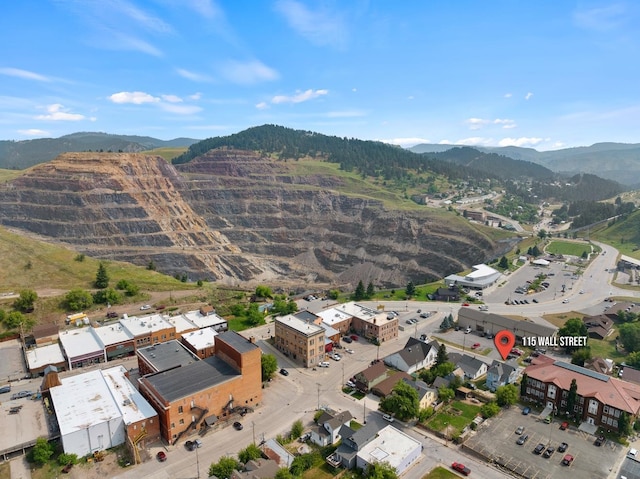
(615, 161)
(23, 154)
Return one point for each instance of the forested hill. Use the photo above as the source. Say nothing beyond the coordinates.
(500, 165)
(371, 158)
(24, 154)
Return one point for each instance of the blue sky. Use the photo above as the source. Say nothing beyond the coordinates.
(542, 74)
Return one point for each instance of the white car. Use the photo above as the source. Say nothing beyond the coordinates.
(387, 417)
(565, 301)
(350, 351)
(323, 364)
(350, 384)
(145, 307)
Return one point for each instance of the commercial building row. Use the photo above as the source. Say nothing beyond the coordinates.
(85, 345)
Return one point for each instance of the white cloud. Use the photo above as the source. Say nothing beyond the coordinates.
(123, 8)
(475, 140)
(528, 95)
(477, 123)
(57, 112)
(248, 73)
(299, 97)
(122, 41)
(24, 74)
(193, 76)
(171, 98)
(263, 105)
(180, 109)
(405, 142)
(522, 141)
(508, 95)
(601, 18)
(34, 132)
(135, 97)
(195, 96)
(319, 27)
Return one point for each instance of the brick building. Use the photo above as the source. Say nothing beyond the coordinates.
(370, 323)
(301, 341)
(600, 401)
(193, 396)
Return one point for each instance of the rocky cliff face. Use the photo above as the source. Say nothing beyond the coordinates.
(235, 216)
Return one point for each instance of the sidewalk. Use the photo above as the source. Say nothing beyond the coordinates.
(20, 468)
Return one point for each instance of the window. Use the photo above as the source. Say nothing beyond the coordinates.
(181, 421)
(180, 410)
(551, 392)
(593, 406)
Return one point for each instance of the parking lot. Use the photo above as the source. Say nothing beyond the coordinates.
(12, 366)
(630, 469)
(496, 441)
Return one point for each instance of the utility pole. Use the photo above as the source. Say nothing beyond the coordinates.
(364, 412)
(197, 463)
(343, 373)
(318, 384)
(253, 426)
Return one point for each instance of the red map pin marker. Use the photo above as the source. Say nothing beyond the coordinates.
(504, 341)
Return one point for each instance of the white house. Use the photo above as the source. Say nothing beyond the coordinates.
(396, 448)
(328, 430)
(414, 356)
(500, 374)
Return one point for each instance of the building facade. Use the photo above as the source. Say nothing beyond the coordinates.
(301, 341)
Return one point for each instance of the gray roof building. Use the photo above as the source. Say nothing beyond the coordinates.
(490, 322)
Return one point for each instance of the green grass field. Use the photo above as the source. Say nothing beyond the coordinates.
(568, 248)
(622, 235)
(8, 175)
(167, 153)
(457, 415)
(440, 473)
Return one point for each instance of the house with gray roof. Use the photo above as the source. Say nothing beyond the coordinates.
(473, 368)
(329, 428)
(500, 374)
(346, 454)
(414, 356)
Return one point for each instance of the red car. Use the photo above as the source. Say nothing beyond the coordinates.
(465, 304)
(162, 456)
(564, 425)
(517, 352)
(475, 346)
(354, 337)
(461, 468)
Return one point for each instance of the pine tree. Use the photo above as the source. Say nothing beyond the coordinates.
(102, 277)
(442, 356)
(359, 294)
(370, 290)
(411, 289)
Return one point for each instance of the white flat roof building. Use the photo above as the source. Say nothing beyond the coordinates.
(201, 339)
(333, 316)
(392, 446)
(111, 334)
(94, 408)
(482, 277)
(39, 358)
(362, 312)
(141, 325)
(181, 323)
(308, 329)
(81, 346)
(205, 321)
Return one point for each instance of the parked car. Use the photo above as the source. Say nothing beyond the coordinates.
(21, 394)
(237, 426)
(600, 440)
(424, 315)
(323, 364)
(112, 314)
(5, 389)
(522, 439)
(520, 430)
(193, 445)
(468, 330)
(549, 452)
(350, 351)
(355, 337)
(465, 304)
(539, 448)
(387, 417)
(347, 339)
(350, 384)
(284, 372)
(565, 300)
(475, 346)
(567, 460)
(145, 307)
(162, 456)
(564, 425)
(461, 468)
(548, 419)
(563, 447)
